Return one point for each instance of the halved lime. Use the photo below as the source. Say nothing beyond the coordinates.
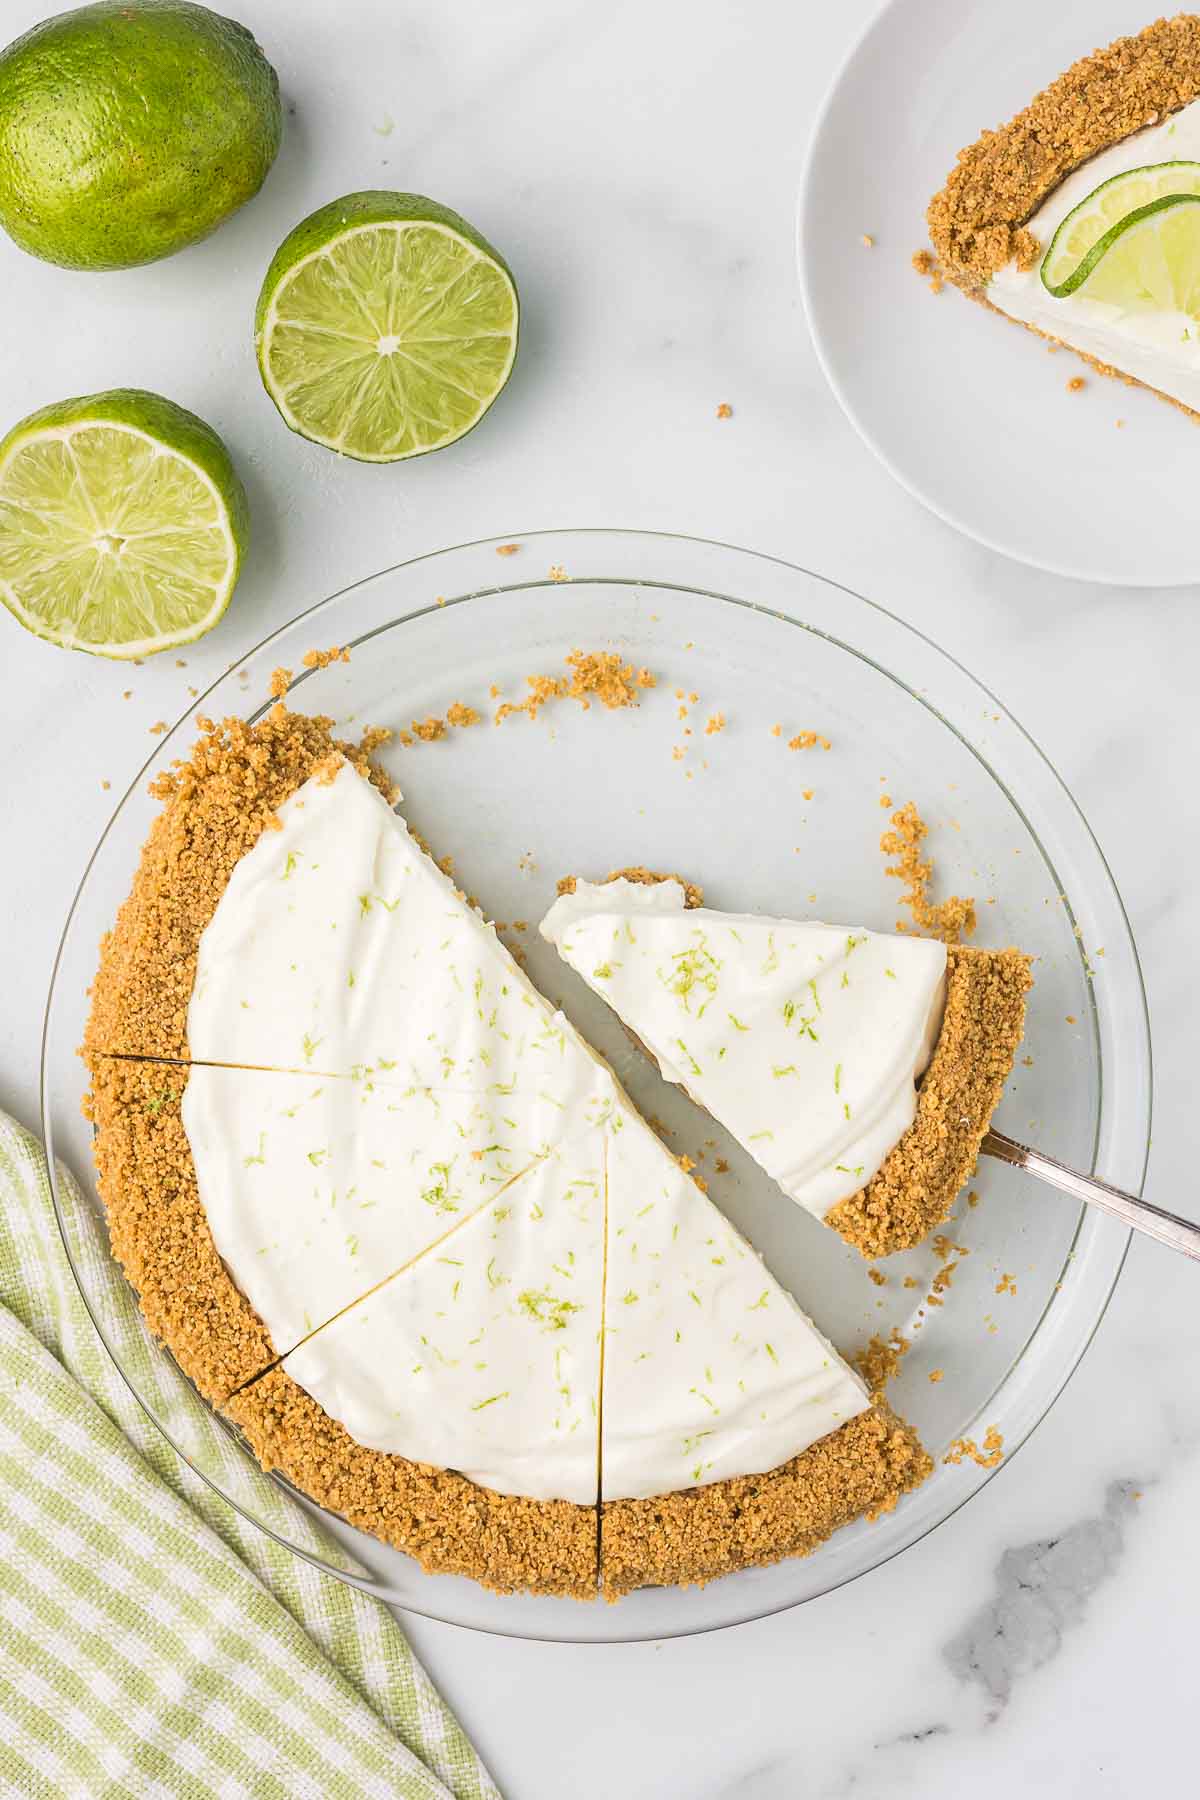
(1153, 263)
(386, 326)
(122, 524)
(1090, 229)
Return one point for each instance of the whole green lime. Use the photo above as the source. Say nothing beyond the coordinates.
(131, 128)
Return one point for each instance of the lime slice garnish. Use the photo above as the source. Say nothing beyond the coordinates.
(386, 326)
(1090, 229)
(1153, 263)
(122, 524)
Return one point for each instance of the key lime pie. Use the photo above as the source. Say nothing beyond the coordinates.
(1080, 218)
(808, 1042)
(398, 1221)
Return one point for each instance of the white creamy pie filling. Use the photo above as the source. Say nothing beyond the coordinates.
(805, 1040)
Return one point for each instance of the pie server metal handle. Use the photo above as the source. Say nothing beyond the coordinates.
(1168, 1228)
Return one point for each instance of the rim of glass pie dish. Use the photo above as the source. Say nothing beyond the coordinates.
(791, 595)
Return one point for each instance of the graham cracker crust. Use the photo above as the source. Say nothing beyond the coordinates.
(977, 220)
(444, 1522)
(637, 872)
(218, 804)
(918, 1183)
(689, 1538)
(158, 1228)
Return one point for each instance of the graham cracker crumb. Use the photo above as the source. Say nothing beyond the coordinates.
(936, 1374)
(977, 220)
(868, 242)
(458, 713)
(929, 269)
(878, 1277)
(321, 659)
(598, 674)
(157, 729)
(429, 730)
(919, 1181)
(557, 572)
(724, 411)
(1075, 384)
(963, 1449)
(278, 685)
(879, 1362)
(1006, 1284)
(809, 740)
(507, 549)
(950, 919)
(373, 738)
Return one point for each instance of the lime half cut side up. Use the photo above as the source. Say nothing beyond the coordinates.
(1091, 229)
(386, 326)
(122, 524)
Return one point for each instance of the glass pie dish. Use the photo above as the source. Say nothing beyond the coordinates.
(755, 644)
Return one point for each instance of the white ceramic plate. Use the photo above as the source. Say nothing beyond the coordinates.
(970, 414)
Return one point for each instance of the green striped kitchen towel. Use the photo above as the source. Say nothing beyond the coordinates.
(152, 1642)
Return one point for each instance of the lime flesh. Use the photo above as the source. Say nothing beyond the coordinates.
(122, 524)
(1153, 265)
(1090, 230)
(386, 327)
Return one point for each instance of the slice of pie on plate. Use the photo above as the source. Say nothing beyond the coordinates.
(1080, 218)
(860, 1069)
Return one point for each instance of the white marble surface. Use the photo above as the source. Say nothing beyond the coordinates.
(638, 164)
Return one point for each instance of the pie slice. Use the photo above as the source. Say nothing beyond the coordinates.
(484, 1355)
(733, 1432)
(317, 1189)
(807, 1042)
(338, 944)
(1080, 217)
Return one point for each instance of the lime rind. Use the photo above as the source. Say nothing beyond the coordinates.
(386, 327)
(122, 525)
(1091, 228)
